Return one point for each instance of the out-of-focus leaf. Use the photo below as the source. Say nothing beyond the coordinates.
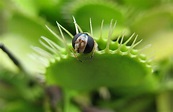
(27, 7)
(23, 106)
(141, 4)
(97, 10)
(18, 86)
(155, 28)
(22, 33)
(50, 9)
(153, 21)
(161, 45)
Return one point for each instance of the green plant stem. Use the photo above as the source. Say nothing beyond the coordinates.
(67, 97)
(168, 86)
(163, 102)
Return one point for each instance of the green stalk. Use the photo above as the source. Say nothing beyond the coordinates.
(163, 102)
(67, 97)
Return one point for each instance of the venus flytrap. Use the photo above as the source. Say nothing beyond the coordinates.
(111, 64)
(114, 64)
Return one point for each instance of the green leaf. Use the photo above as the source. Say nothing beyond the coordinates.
(142, 4)
(22, 33)
(112, 70)
(155, 28)
(18, 86)
(97, 10)
(114, 65)
(27, 7)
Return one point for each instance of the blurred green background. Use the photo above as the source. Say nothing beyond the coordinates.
(22, 23)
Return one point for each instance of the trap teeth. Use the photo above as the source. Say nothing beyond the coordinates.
(67, 50)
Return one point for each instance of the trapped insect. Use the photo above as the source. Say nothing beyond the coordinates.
(83, 43)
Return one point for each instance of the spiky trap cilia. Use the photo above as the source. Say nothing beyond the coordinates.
(114, 64)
